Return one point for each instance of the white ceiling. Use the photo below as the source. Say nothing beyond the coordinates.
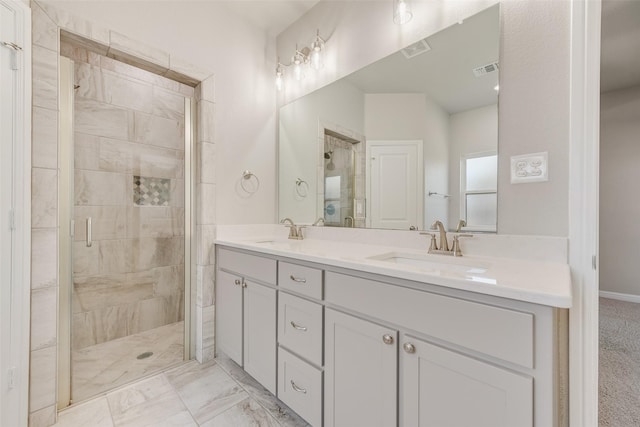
(444, 73)
(620, 54)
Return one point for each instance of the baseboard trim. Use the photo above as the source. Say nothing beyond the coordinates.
(620, 296)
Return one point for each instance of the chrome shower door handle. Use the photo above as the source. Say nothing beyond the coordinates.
(89, 240)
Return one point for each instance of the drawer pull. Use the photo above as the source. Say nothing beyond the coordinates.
(237, 282)
(298, 327)
(298, 389)
(298, 279)
(387, 339)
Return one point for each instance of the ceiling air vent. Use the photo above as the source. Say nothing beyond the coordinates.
(485, 69)
(421, 46)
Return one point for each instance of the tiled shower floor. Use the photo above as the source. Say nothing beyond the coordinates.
(108, 365)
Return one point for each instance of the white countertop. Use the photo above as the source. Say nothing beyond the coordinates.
(539, 282)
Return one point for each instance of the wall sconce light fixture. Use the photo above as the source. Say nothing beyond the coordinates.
(301, 58)
(279, 75)
(401, 12)
(316, 51)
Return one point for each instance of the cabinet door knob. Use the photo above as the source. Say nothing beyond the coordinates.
(387, 339)
(298, 279)
(298, 389)
(298, 327)
(244, 284)
(409, 348)
(237, 282)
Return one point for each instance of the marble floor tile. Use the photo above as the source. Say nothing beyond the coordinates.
(206, 389)
(151, 402)
(94, 413)
(104, 366)
(246, 413)
(278, 410)
(191, 394)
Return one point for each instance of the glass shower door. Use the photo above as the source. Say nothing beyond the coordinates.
(127, 305)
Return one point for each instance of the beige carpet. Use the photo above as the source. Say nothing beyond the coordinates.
(619, 384)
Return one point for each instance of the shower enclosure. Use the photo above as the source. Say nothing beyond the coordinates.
(340, 159)
(126, 141)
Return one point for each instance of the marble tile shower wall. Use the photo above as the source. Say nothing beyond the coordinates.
(129, 178)
(48, 23)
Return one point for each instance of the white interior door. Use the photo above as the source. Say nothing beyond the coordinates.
(14, 212)
(395, 184)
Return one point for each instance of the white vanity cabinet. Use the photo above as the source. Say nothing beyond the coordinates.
(360, 372)
(246, 313)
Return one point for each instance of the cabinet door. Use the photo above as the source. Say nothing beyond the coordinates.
(360, 372)
(446, 389)
(260, 334)
(229, 315)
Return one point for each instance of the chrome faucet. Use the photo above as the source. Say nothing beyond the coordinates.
(295, 231)
(439, 226)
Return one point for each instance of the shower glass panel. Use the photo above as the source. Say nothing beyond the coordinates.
(128, 209)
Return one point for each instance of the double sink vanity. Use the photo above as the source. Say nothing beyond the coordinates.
(384, 334)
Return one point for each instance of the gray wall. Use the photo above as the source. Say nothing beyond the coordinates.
(619, 184)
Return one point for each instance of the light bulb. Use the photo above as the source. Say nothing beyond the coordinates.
(297, 70)
(401, 12)
(316, 51)
(316, 59)
(279, 76)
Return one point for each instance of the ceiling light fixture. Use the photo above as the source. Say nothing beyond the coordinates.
(401, 12)
(301, 58)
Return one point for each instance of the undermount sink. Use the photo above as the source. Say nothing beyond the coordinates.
(432, 263)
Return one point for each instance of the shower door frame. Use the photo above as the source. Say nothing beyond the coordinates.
(65, 223)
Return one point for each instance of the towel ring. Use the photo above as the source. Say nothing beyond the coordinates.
(246, 177)
(302, 187)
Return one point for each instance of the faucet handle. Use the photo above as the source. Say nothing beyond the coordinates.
(455, 247)
(433, 246)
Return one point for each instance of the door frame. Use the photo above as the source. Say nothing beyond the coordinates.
(420, 167)
(583, 211)
(18, 340)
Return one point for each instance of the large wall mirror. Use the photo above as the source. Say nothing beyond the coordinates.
(402, 142)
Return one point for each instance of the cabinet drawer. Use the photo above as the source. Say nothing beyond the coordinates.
(498, 332)
(300, 387)
(300, 327)
(256, 267)
(300, 279)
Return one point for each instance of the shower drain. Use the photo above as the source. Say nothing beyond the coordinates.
(145, 355)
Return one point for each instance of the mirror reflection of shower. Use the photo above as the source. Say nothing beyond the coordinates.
(340, 157)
